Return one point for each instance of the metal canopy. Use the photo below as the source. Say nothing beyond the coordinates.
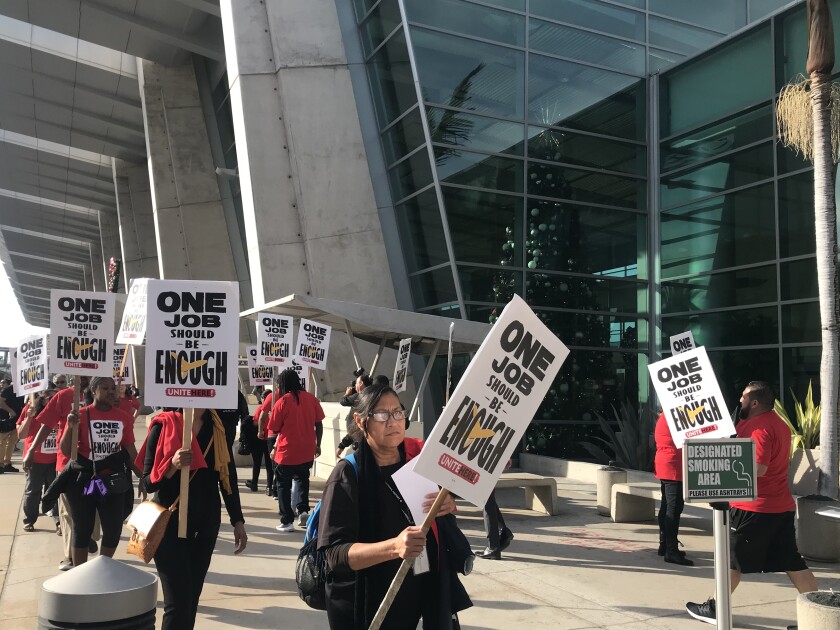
(377, 324)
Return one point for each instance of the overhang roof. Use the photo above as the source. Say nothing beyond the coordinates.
(376, 323)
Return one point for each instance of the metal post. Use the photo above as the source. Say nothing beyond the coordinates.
(353, 347)
(416, 404)
(723, 605)
(377, 357)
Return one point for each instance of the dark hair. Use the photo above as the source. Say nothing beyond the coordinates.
(264, 394)
(763, 393)
(290, 383)
(380, 380)
(366, 403)
(366, 380)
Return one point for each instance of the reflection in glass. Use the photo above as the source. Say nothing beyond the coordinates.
(565, 237)
(730, 171)
(799, 279)
(596, 330)
(403, 137)
(392, 85)
(735, 368)
(566, 94)
(794, 42)
(680, 37)
(479, 170)
(433, 287)
(479, 284)
(796, 215)
(575, 292)
(756, 285)
(421, 231)
(572, 148)
(468, 74)
(746, 327)
(486, 227)
(469, 19)
(410, 175)
(800, 367)
(480, 133)
(592, 14)
(659, 60)
(801, 322)
(381, 23)
(726, 231)
(563, 182)
(723, 16)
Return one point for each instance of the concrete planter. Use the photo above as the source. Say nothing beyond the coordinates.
(817, 537)
(605, 479)
(819, 610)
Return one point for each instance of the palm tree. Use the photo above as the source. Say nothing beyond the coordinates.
(812, 128)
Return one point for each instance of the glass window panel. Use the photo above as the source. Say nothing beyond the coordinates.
(447, 310)
(381, 23)
(595, 330)
(421, 232)
(756, 285)
(403, 137)
(567, 94)
(801, 322)
(571, 148)
(731, 171)
(469, 19)
(478, 170)
(760, 8)
(593, 14)
(479, 284)
(790, 161)
(483, 313)
(735, 368)
(799, 279)
(392, 84)
(741, 69)
(410, 175)
(721, 15)
(711, 234)
(480, 133)
(794, 45)
(585, 46)
(564, 237)
(433, 287)
(485, 227)
(801, 366)
(639, 4)
(468, 74)
(680, 37)
(363, 6)
(796, 215)
(586, 186)
(749, 327)
(517, 5)
(596, 294)
(721, 137)
(659, 60)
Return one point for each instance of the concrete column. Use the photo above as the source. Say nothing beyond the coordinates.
(136, 221)
(192, 236)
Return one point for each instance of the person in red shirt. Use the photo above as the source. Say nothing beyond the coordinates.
(128, 403)
(668, 469)
(762, 535)
(296, 419)
(260, 450)
(42, 472)
(105, 447)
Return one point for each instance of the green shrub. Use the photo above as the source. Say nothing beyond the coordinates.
(806, 433)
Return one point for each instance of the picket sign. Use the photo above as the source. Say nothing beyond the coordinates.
(401, 367)
(123, 371)
(313, 344)
(487, 415)
(682, 342)
(258, 374)
(133, 324)
(31, 373)
(274, 339)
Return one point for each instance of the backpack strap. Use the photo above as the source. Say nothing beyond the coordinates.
(314, 516)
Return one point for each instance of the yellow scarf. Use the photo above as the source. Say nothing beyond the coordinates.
(220, 451)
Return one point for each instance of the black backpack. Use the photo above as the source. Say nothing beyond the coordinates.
(311, 565)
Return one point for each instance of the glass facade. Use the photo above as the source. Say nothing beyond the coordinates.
(518, 141)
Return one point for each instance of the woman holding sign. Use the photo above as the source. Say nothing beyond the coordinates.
(182, 563)
(366, 529)
(106, 441)
(42, 472)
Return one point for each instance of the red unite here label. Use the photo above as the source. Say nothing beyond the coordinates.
(81, 365)
(187, 392)
(700, 431)
(457, 468)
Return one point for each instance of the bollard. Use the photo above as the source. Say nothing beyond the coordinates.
(819, 610)
(605, 478)
(102, 593)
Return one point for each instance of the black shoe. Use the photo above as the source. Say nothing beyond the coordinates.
(93, 547)
(491, 554)
(678, 558)
(661, 550)
(703, 612)
(10, 468)
(505, 538)
(2, 470)
(251, 485)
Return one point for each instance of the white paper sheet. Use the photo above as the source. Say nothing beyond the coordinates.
(414, 489)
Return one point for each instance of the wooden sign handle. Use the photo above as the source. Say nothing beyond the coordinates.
(77, 394)
(407, 563)
(122, 366)
(185, 476)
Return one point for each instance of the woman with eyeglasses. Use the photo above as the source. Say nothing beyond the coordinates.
(366, 530)
(296, 421)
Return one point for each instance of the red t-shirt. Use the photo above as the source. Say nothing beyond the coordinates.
(112, 430)
(772, 449)
(129, 404)
(293, 421)
(266, 407)
(54, 416)
(668, 460)
(46, 453)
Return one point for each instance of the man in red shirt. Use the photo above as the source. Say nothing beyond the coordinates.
(762, 535)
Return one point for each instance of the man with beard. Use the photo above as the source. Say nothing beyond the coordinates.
(762, 536)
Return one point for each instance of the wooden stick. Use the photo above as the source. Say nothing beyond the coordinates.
(407, 563)
(77, 394)
(122, 366)
(185, 476)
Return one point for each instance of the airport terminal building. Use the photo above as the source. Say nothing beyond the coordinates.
(613, 162)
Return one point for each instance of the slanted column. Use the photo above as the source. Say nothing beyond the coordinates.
(136, 221)
(191, 232)
(109, 237)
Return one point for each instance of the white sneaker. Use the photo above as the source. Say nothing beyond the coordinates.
(302, 518)
(65, 565)
(288, 527)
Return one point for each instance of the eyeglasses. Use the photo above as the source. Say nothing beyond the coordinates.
(384, 416)
(61, 382)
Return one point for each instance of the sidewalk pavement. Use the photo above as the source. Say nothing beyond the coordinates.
(573, 570)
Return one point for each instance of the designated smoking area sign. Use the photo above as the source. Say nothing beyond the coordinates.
(719, 470)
